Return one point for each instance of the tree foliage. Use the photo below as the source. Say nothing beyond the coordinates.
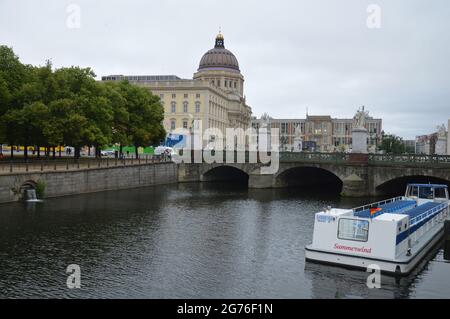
(392, 144)
(40, 106)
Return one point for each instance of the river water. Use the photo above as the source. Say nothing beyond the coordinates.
(186, 241)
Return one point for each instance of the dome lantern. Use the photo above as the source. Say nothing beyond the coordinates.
(219, 41)
(219, 57)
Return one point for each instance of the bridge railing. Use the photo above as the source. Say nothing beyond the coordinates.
(377, 204)
(314, 157)
(65, 164)
(424, 215)
(419, 159)
(386, 159)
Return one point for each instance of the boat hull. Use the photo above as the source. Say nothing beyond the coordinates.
(394, 267)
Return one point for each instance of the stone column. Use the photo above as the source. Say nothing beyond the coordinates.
(359, 140)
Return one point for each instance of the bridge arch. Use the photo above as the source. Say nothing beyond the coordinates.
(397, 185)
(309, 176)
(225, 173)
(28, 184)
(25, 186)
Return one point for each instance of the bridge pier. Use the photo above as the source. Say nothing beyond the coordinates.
(260, 181)
(188, 173)
(354, 186)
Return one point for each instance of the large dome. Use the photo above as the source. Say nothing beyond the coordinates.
(219, 57)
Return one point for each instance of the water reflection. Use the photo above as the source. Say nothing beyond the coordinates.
(185, 241)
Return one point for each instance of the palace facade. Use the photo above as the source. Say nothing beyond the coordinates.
(215, 94)
(320, 133)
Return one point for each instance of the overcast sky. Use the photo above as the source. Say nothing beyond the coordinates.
(293, 54)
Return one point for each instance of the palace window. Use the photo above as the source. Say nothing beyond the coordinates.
(173, 107)
(173, 124)
(234, 84)
(197, 96)
(185, 124)
(185, 107)
(185, 96)
(197, 107)
(174, 95)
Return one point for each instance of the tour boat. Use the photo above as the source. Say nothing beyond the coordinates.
(391, 235)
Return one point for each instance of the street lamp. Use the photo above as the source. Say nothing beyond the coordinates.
(191, 136)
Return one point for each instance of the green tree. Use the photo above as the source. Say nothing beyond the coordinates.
(26, 126)
(12, 76)
(40, 106)
(85, 104)
(391, 144)
(11, 124)
(5, 96)
(146, 114)
(12, 71)
(66, 126)
(121, 117)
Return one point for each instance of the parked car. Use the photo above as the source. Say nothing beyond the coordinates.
(107, 152)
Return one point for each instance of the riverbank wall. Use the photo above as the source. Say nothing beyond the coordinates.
(72, 182)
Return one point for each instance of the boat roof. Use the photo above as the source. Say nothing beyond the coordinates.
(429, 185)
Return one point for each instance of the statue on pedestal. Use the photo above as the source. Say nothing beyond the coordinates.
(359, 120)
(359, 132)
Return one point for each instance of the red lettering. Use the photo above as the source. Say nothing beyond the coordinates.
(355, 249)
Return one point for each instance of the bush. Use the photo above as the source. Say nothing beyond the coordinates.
(40, 189)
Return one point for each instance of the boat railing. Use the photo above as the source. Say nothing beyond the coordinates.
(424, 215)
(376, 204)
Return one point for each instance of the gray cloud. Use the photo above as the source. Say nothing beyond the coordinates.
(293, 54)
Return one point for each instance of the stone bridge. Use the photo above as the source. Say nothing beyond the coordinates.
(349, 174)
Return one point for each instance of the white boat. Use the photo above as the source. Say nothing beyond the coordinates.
(393, 234)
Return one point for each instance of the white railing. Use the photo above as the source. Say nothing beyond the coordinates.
(376, 204)
(427, 213)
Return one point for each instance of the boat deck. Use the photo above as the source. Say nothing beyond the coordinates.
(397, 207)
(416, 211)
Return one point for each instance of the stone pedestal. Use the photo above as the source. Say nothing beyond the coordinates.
(358, 158)
(359, 140)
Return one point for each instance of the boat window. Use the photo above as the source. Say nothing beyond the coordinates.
(353, 229)
(440, 193)
(426, 192)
